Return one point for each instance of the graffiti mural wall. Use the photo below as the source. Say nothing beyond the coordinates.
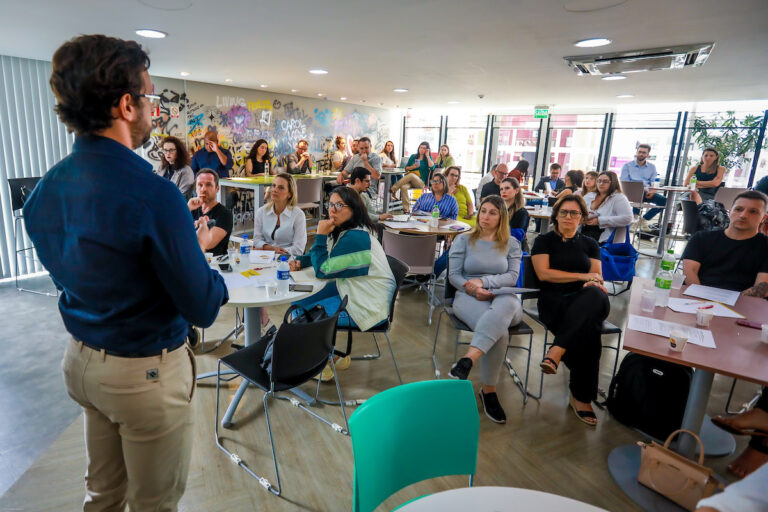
(242, 116)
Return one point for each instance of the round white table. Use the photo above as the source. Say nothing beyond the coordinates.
(252, 298)
(496, 499)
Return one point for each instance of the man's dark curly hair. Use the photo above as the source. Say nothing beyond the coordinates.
(90, 75)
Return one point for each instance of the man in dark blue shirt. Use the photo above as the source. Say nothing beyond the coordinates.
(212, 156)
(119, 243)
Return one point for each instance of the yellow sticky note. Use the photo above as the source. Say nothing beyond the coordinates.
(250, 273)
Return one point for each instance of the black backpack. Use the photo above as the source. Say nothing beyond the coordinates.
(649, 394)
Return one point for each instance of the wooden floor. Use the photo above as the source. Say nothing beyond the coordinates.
(542, 446)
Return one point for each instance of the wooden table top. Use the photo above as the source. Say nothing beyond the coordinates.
(425, 229)
(739, 352)
(541, 215)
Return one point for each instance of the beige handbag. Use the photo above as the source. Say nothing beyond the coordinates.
(676, 477)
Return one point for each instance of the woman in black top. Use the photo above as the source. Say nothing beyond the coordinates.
(259, 161)
(573, 302)
(709, 174)
(573, 182)
(512, 195)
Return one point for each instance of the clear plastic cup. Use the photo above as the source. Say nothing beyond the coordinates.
(232, 256)
(764, 335)
(677, 340)
(271, 289)
(648, 300)
(703, 317)
(677, 281)
(209, 257)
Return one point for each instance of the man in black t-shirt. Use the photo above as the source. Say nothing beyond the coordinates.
(204, 208)
(735, 258)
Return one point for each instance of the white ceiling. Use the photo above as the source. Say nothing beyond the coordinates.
(441, 50)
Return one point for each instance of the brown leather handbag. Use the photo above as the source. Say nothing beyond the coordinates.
(676, 477)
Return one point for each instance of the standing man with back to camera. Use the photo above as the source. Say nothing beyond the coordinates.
(119, 243)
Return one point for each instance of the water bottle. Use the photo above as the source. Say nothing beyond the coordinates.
(662, 286)
(692, 183)
(266, 167)
(245, 245)
(668, 261)
(435, 220)
(283, 275)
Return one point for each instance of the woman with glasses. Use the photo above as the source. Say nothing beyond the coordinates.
(259, 161)
(419, 165)
(482, 262)
(174, 165)
(446, 203)
(609, 210)
(463, 197)
(348, 255)
(573, 302)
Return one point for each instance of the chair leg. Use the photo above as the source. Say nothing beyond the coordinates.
(434, 345)
(541, 376)
(368, 357)
(394, 361)
(263, 481)
(513, 373)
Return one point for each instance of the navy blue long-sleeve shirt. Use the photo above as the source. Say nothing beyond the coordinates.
(204, 159)
(119, 241)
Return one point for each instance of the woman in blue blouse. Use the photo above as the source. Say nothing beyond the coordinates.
(446, 203)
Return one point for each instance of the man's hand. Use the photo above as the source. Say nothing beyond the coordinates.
(194, 203)
(649, 195)
(759, 290)
(363, 157)
(325, 227)
(294, 265)
(340, 178)
(203, 233)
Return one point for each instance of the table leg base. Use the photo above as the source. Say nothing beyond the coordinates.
(624, 465)
(717, 442)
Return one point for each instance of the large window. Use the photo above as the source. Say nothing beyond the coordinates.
(466, 141)
(420, 128)
(631, 130)
(574, 140)
(515, 138)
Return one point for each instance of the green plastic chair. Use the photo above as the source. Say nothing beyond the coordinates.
(410, 433)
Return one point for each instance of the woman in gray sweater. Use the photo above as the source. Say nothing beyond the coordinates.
(482, 264)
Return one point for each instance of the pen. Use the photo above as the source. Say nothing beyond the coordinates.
(706, 307)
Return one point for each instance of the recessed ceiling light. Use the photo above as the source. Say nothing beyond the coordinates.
(184, 73)
(454, 102)
(614, 77)
(399, 89)
(343, 98)
(294, 90)
(227, 80)
(362, 101)
(623, 96)
(381, 104)
(152, 34)
(318, 71)
(320, 94)
(263, 86)
(592, 43)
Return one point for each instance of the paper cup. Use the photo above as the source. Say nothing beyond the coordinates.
(648, 300)
(677, 340)
(764, 335)
(209, 257)
(703, 317)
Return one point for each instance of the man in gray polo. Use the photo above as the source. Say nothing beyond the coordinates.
(363, 158)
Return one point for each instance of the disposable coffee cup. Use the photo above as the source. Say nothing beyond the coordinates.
(677, 340)
(703, 317)
(648, 300)
(764, 335)
(209, 257)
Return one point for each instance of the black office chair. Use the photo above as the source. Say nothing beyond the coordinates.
(690, 217)
(520, 329)
(300, 351)
(399, 270)
(21, 189)
(532, 281)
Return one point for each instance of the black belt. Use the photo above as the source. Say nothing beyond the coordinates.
(149, 353)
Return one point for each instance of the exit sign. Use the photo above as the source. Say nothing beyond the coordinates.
(541, 111)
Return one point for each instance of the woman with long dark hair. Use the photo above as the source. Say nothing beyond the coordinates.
(259, 161)
(609, 210)
(444, 158)
(388, 157)
(520, 172)
(174, 165)
(417, 170)
(348, 255)
(709, 174)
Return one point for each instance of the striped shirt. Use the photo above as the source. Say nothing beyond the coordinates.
(449, 208)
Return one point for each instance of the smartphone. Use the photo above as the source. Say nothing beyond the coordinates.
(225, 267)
(211, 223)
(300, 287)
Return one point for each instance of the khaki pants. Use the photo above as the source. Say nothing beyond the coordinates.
(138, 426)
(411, 180)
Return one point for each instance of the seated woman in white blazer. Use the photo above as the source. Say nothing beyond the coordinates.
(609, 210)
(280, 225)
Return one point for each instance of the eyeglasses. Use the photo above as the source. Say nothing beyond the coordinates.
(154, 99)
(166, 151)
(603, 181)
(574, 214)
(337, 206)
(437, 182)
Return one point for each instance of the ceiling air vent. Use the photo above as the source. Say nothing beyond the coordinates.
(635, 61)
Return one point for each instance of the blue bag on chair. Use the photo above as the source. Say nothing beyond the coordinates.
(618, 260)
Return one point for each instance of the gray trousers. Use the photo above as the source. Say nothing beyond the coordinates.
(490, 321)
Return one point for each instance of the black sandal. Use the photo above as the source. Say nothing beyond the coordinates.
(587, 417)
(548, 366)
